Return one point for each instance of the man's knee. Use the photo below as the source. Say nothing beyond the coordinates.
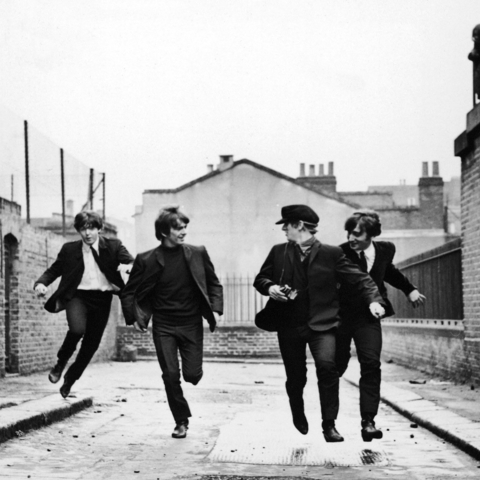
(193, 377)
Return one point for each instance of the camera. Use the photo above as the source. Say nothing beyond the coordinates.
(289, 292)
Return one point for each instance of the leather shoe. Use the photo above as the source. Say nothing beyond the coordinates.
(330, 432)
(180, 430)
(66, 387)
(301, 423)
(56, 372)
(370, 431)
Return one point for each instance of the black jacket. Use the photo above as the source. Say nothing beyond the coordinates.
(327, 268)
(69, 265)
(147, 268)
(383, 270)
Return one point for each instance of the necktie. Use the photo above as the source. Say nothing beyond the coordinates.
(363, 262)
(97, 258)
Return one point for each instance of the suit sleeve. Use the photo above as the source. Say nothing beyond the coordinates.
(54, 271)
(264, 280)
(123, 255)
(214, 287)
(395, 277)
(350, 273)
(128, 293)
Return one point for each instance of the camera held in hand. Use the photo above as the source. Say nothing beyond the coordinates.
(289, 292)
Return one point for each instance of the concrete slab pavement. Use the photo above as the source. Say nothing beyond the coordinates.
(451, 411)
(32, 402)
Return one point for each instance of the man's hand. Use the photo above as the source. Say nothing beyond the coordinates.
(213, 325)
(275, 293)
(125, 268)
(377, 310)
(41, 290)
(416, 298)
(139, 328)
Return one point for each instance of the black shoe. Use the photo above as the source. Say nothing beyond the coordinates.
(369, 430)
(180, 430)
(301, 423)
(66, 387)
(56, 372)
(330, 432)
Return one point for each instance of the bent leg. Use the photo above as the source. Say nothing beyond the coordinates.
(293, 351)
(190, 342)
(98, 310)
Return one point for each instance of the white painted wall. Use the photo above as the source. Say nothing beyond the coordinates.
(234, 213)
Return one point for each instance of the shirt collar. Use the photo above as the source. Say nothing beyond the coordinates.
(369, 252)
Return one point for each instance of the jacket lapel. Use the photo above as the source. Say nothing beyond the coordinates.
(159, 257)
(315, 248)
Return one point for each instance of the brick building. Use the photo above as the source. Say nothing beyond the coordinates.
(29, 335)
(416, 218)
(467, 147)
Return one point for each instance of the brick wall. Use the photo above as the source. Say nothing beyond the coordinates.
(226, 341)
(467, 147)
(432, 346)
(35, 334)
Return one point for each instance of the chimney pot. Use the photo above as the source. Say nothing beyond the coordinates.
(311, 172)
(435, 169)
(321, 171)
(302, 169)
(210, 168)
(330, 168)
(424, 169)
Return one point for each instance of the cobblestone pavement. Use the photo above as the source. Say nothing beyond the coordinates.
(241, 427)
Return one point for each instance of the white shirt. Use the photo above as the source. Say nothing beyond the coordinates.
(369, 256)
(93, 278)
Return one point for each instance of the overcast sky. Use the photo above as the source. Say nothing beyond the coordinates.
(150, 92)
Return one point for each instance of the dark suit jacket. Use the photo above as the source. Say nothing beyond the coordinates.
(69, 265)
(327, 267)
(382, 271)
(147, 268)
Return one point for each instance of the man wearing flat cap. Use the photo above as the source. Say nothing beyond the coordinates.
(301, 278)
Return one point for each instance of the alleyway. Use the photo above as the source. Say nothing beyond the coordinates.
(241, 428)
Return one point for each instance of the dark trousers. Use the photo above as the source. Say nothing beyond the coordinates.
(87, 317)
(293, 343)
(170, 340)
(367, 335)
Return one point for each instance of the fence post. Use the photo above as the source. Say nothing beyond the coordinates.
(103, 187)
(27, 169)
(62, 180)
(90, 190)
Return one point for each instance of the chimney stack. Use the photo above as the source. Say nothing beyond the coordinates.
(69, 208)
(321, 182)
(226, 161)
(430, 192)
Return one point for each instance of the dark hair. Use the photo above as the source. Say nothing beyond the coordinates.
(87, 218)
(168, 217)
(367, 220)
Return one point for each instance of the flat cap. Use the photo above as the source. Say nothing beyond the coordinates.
(292, 213)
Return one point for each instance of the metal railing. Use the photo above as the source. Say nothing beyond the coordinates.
(241, 300)
(438, 275)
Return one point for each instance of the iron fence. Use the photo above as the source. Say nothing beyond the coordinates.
(242, 301)
(438, 275)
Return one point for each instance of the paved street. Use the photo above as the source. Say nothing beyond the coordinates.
(241, 428)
